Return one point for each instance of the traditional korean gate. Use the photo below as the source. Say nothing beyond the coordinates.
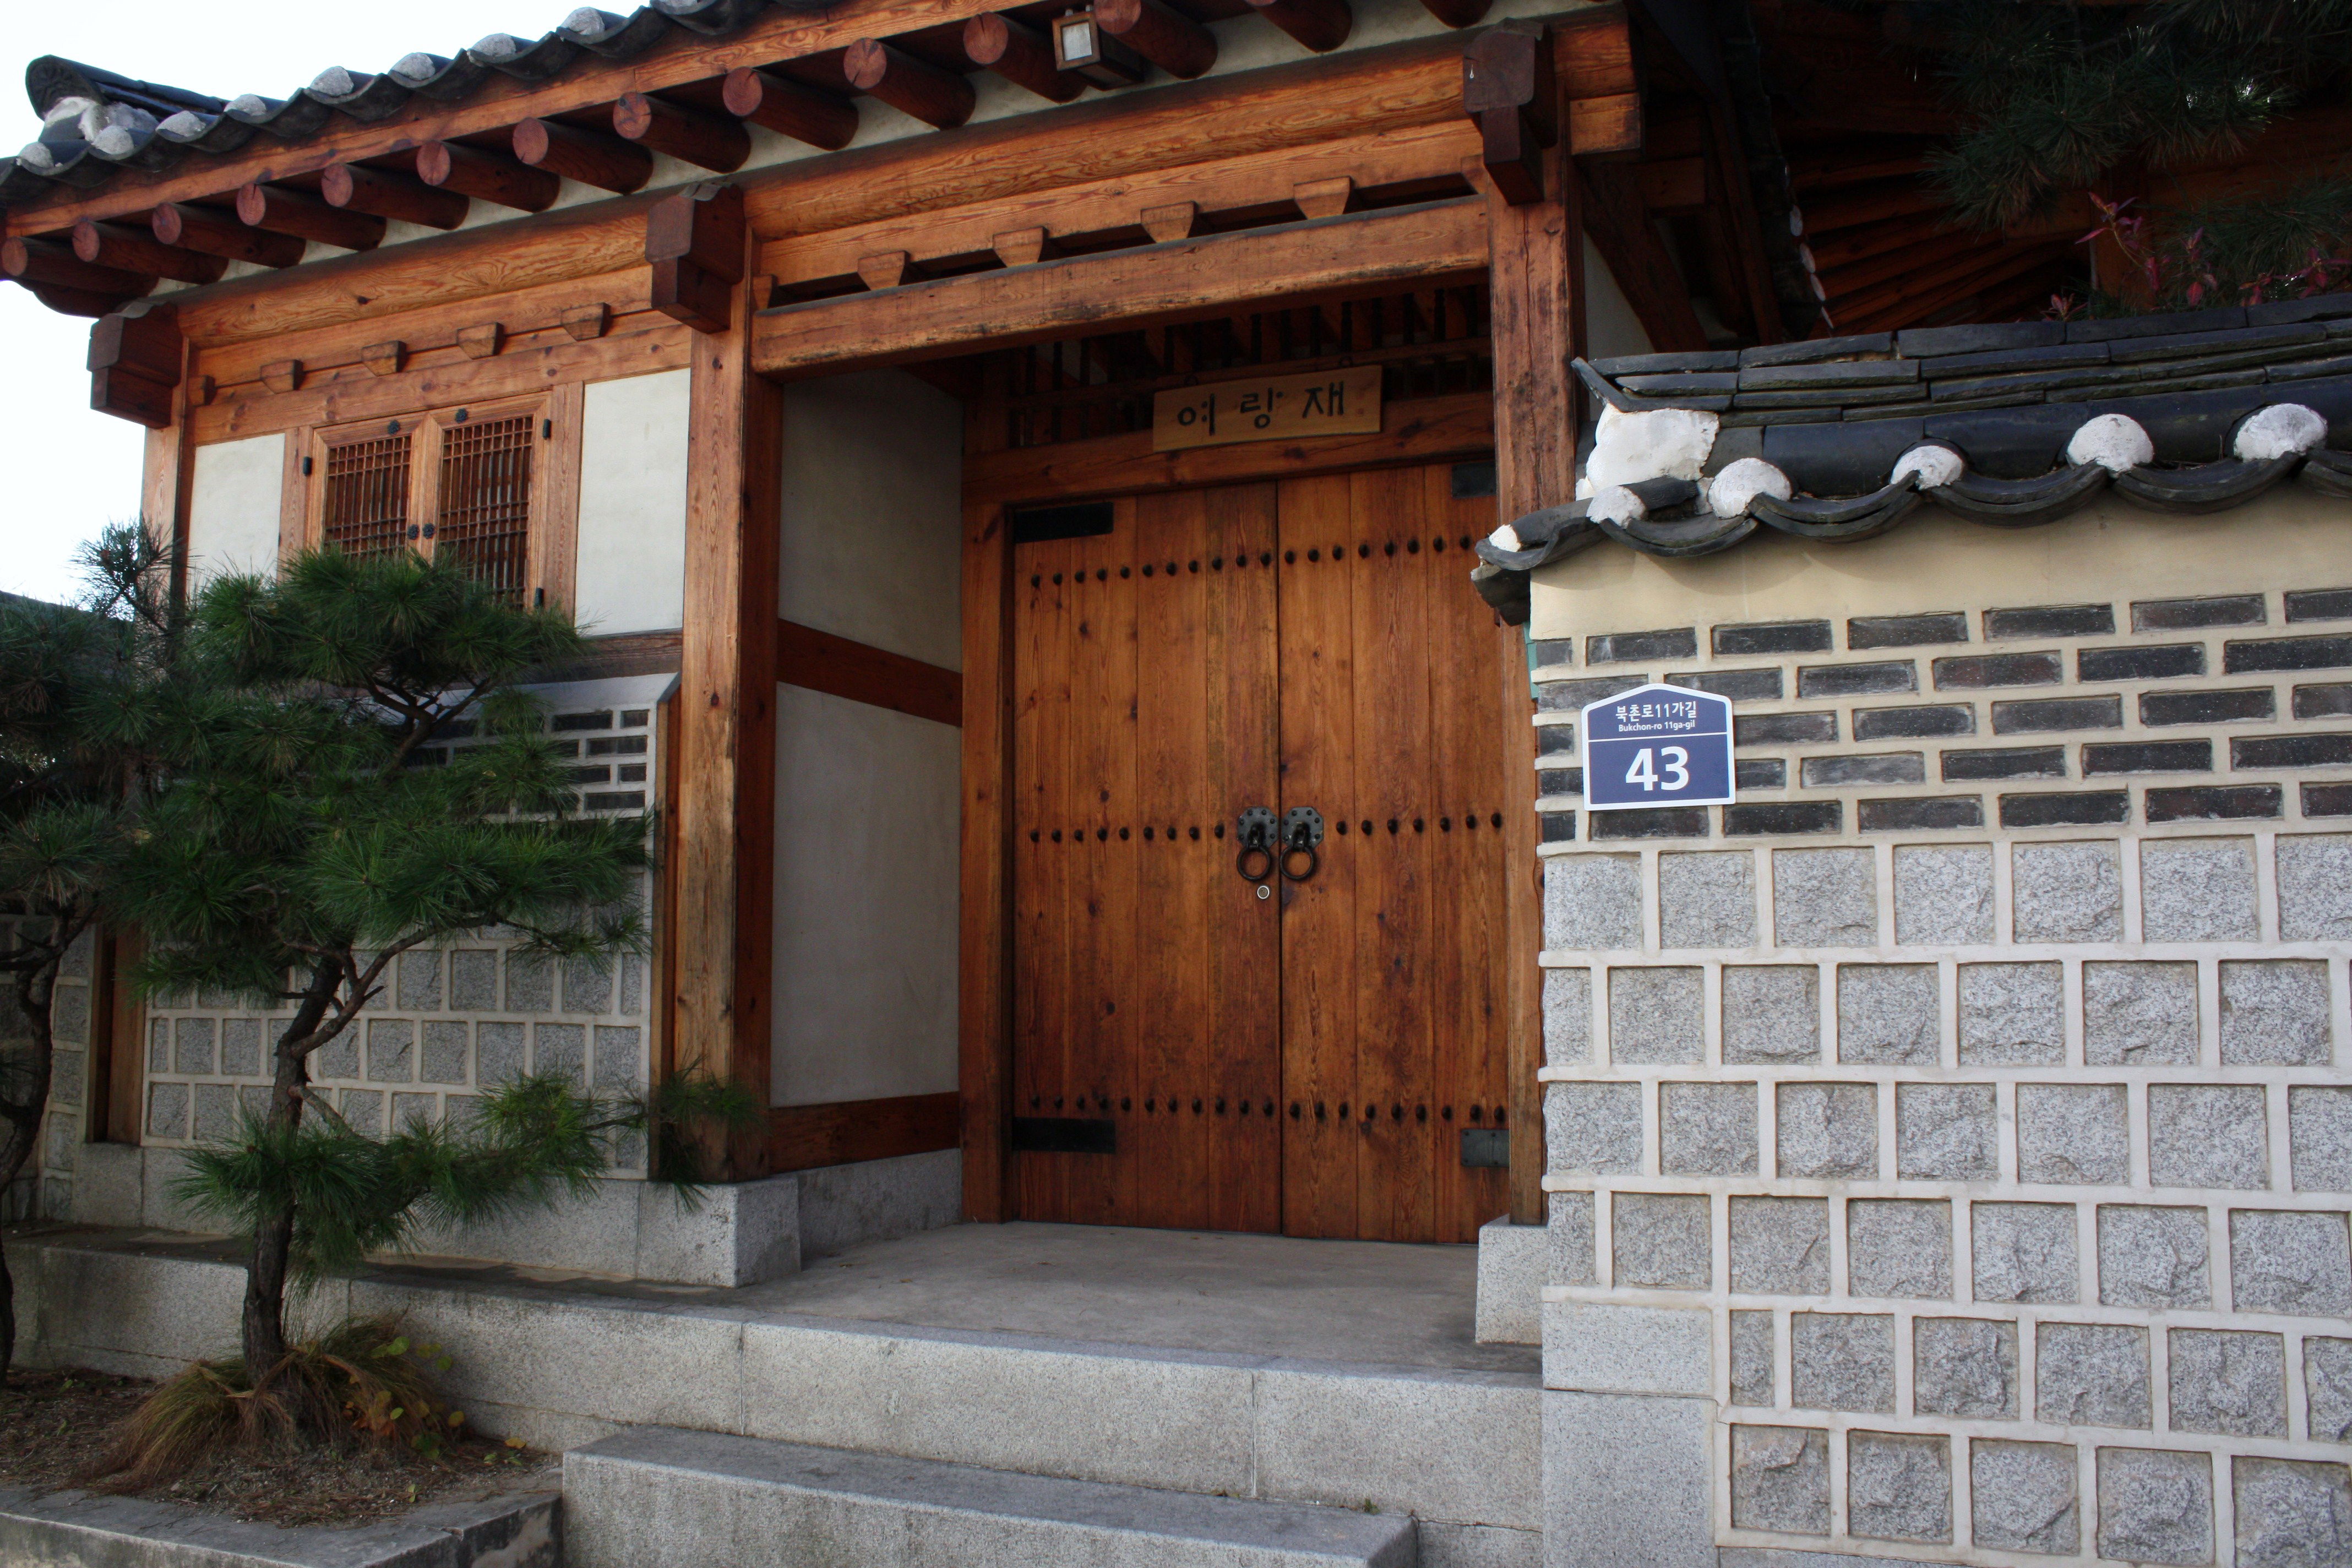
(1186, 1052)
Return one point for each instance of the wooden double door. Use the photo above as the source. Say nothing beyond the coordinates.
(1304, 1052)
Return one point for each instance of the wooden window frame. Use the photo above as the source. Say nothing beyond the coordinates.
(548, 554)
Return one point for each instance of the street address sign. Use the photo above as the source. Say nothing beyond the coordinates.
(1657, 746)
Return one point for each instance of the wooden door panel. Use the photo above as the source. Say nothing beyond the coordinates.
(1042, 873)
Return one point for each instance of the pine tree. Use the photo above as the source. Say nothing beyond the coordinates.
(2061, 97)
(318, 823)
(75, 765)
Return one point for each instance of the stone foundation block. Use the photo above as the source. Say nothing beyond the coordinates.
(1780, 1246)
(2327, 1388)
(1964, 1366)
(1568, 1255)
(2091, 1375)
(2284, 1261)
(2228, 1382)
(1842, 1361)
(2139, 1014)
(1780, 1479)
(1592, 903)
(1946, 1132)
(2010, 1014)
(1824, 898)
(2066, 892)
(1656, 1017)
(2291, 1514)
(2024, 1252)
(1597, 1347)
(1706, 1128)
(1628, 1482)
(2023, 1497)
(2313, 869)
(1771, 1013)
(1510, 1282)
(1707, 899)
(2153, 1257)
(2198, 890)
(1827, 1131)
(2208, 1135)
(2275, 1012)
(1943, 894)
(1890, 1014)
(1593, 1129)
(1899, 1486)
(1567, 1016)
(2073, 1134)
(2155, 1506)
(1753, 1358)
(2319, 1138)
(1899, 1246)
(1662, 1240)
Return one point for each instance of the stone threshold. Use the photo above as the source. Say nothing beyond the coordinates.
(520, 1528)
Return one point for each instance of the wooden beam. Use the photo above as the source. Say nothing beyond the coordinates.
(50, 264)
(216, 233)
(487, 177)
(805, 1137)
(820, 662)
(138, 250)
(712, 141)
(788, 108)
(592, 157)
(940, 99)
(1425, 430)
(1021, 55)
(1169, 39)
(1621, 232)
(282, 211)
(727, 805)
(1507, 92)
(390, 193)
(695, 242)
(1166, 203)
(137, 360)
(1320, 24)
(1434, 242)
(1536, 293)
(984, 861)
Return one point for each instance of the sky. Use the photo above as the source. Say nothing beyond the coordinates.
(65, 472)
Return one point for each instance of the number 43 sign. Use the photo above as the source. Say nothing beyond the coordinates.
(1657, 746)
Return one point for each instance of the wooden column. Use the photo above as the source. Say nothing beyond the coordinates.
(984, 954)
(727, 796)
(1537, 292)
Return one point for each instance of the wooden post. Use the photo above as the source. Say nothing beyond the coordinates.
(1537, 271)
(984, 954)
(725, 907)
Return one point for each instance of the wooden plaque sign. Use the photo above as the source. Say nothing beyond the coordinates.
(1269, 408)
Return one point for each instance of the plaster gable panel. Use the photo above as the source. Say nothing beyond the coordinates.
(1611, 327)
(233, 507)
(866, 925)
(632, 574)
(873, 513)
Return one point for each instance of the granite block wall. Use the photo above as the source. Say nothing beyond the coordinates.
(1980, 1075)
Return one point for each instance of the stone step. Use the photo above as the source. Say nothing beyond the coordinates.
(653, 1497)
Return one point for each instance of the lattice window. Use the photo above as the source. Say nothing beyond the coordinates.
(366, 508)
(484, 506)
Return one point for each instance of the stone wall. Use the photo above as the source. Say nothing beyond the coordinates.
(1950, 1142)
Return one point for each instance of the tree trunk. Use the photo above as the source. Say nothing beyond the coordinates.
(34, 987)
(263, 1326)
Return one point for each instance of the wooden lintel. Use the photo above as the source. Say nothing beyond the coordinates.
(820, 662)
(805, 1137)
(1425, 244)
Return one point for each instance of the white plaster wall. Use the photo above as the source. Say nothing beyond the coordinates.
(233, 507)
(1610, 325)
(873, 489)
(631, 571)
(865, 902)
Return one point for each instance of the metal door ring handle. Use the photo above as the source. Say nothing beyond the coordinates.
(1314, 861)
(1241, 863)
